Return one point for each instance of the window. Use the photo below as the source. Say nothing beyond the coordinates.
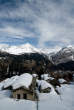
(24, 96)
(18, 96)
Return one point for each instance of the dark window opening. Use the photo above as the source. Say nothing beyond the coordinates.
(18, 96)
(24, 96)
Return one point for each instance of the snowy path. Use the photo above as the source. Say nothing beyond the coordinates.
(47, 101)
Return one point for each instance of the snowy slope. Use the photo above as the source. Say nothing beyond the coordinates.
(48, 101)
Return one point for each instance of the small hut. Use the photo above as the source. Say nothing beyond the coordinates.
(43, 86)
(24, 93)
(22, 87)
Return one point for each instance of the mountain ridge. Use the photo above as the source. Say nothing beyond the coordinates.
(58, 56)
(64, 55)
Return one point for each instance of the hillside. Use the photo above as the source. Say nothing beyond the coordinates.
(11, 64)
(26, 58)
(63, 102)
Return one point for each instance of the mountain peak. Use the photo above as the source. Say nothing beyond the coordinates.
(64, 55)
(24, 48)
(28, 45)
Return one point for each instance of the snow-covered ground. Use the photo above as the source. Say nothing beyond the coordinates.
(48, 101)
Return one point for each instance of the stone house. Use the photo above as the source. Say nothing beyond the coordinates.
(24, 93)
(23, 87)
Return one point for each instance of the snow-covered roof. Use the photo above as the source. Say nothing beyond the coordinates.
(43, 84)
(9, 81)
(46, 77)
(34, 75)
(62, 80)
(24, 80)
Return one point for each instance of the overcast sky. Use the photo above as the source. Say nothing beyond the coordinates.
(43, 23)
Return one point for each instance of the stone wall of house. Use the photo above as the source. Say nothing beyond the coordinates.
(30, 95)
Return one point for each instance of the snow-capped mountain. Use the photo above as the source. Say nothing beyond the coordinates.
(64, 55)
(56, 55)
(25, 48)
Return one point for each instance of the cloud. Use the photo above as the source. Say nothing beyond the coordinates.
(47, 20)
(16, 32)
